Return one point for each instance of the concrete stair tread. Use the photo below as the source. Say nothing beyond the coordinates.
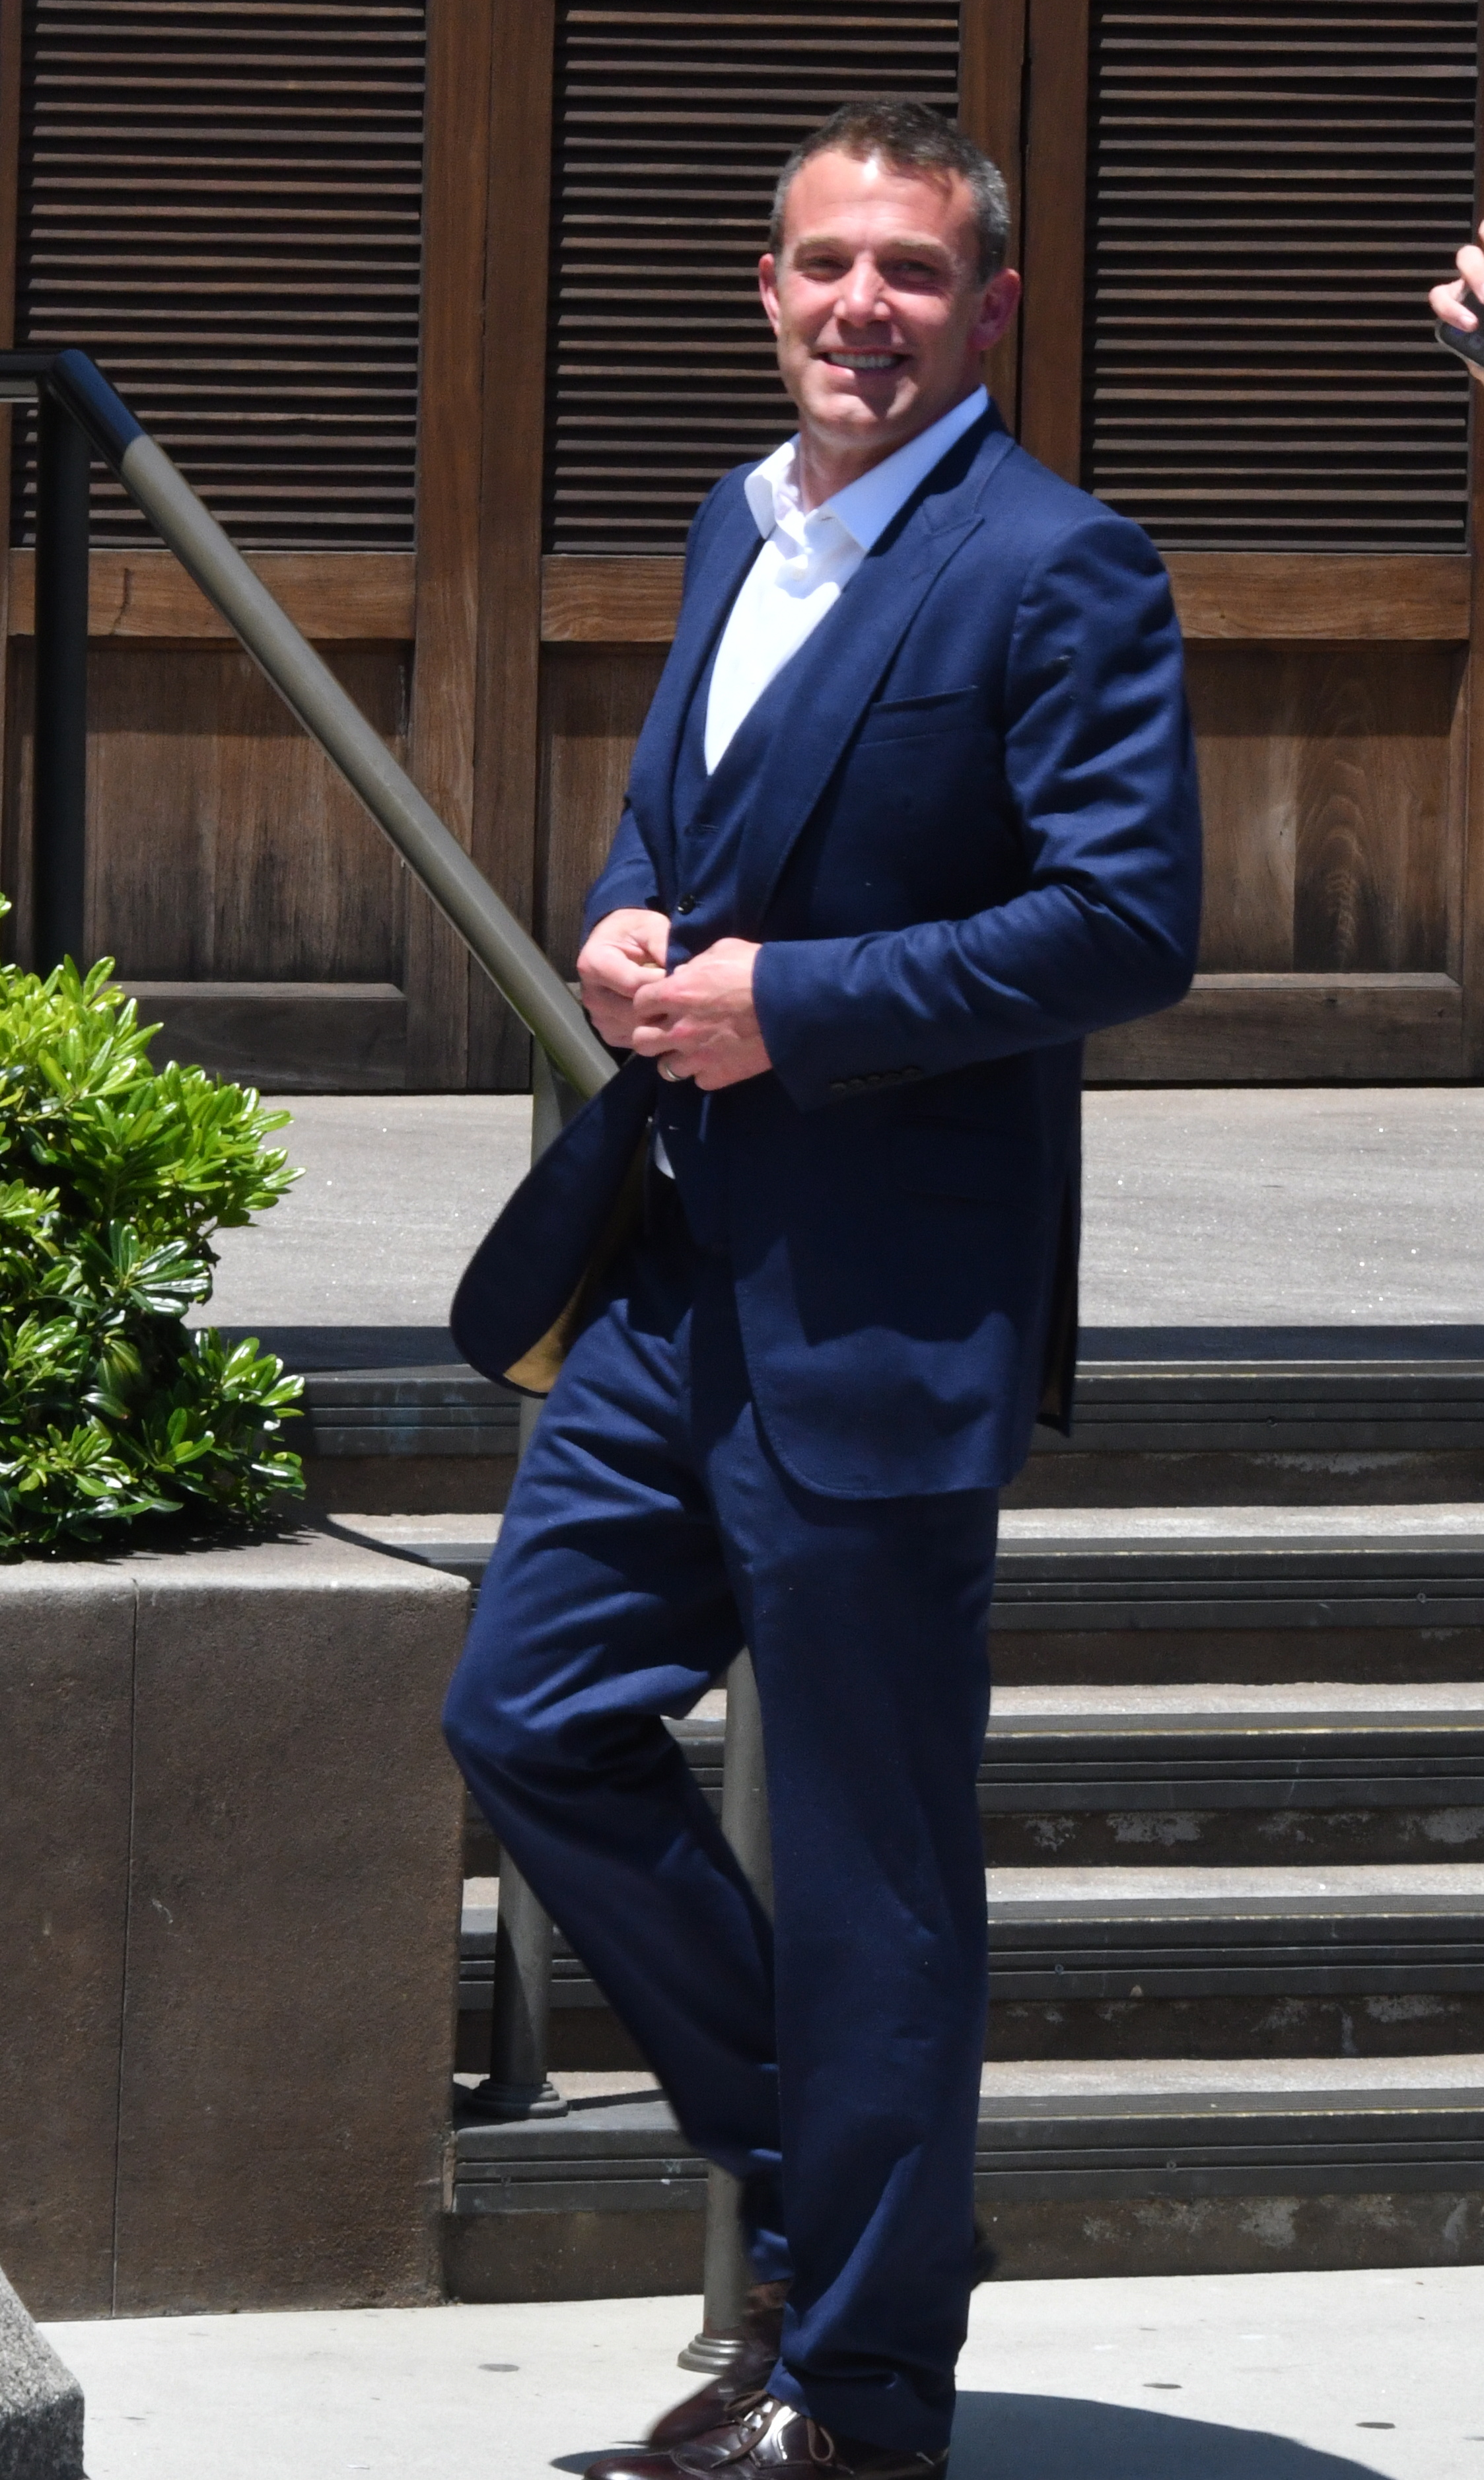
(1052, 1897)
(1058, 1566)
(1238, 1705)
(1424, 1889)
(1380, 1526)
(1282, 2111)
(1009, 2082)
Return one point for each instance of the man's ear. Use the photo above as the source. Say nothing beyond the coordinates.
(767, 286)
(1001, 299)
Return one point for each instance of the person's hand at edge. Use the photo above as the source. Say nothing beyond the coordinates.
(624, 953)
(1461, 303)
(700, 1021)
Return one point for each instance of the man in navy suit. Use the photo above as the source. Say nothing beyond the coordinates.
(913, 813)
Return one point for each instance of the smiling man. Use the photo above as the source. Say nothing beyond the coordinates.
(914, 810)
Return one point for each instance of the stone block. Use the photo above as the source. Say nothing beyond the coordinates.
(230, 1845)
(294, 1908)
(66, 1656)
(639, 2254)
(40, 2402)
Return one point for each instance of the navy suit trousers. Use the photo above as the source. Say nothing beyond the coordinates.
(832, 2061)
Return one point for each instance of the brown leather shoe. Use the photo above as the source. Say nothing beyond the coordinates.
(761, 2329)
(768, 2439)
(762, 2338)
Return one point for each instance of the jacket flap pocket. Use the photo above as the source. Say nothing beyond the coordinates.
(910, 718)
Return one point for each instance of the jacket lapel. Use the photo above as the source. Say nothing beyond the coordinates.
(835, 673)
(733, 545)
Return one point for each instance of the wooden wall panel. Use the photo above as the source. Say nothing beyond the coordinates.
(1327, 782)
(1054, 246)
(10, 175)
(455, 198)
(506, 753)
(991, 61)
(1372, 866)
(594, 703)
(1249, 753)
(222, 844)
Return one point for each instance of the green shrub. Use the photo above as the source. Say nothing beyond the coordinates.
(112, 1179)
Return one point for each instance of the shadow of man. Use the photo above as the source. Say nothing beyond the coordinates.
(1057, 2437)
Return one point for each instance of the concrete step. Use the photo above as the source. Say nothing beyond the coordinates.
(1163, 1417)
(1228, 1776)
(1152, 1962)
(1176, 2166)
(1110, 1595)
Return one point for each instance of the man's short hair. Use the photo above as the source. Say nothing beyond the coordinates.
(911, 137)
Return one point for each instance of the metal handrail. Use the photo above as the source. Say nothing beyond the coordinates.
(80, 410)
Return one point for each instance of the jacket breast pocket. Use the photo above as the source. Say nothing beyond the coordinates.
(919, 718)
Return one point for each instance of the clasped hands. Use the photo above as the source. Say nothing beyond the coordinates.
(698, 1021)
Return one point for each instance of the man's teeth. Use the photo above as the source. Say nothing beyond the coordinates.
(862, 361)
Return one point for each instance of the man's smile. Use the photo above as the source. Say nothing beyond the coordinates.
(843, 360)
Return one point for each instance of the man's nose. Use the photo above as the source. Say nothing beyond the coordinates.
(861, 296)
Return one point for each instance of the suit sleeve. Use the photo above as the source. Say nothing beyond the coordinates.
(628, 876)
(1101, 768)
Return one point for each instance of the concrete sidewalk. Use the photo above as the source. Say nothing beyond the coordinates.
(1303, 2376)
(1246, 1207)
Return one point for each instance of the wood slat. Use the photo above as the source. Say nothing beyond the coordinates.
(285, 1037)
(364, 597)
(670, 125)
(507, 769)
(1271, 189)
(456, 156)
(1294, 1028)
(1271, 596)
(223, 205)
(1219, 595)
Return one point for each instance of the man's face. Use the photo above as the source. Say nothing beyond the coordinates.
(877, 301)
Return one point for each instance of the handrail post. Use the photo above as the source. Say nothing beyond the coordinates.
(60, 753)
(728, 2274)
(518, 2085)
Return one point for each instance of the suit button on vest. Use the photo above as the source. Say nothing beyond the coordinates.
(685, 904)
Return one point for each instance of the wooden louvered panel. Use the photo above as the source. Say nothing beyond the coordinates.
(671, 126)
(1272, 185)
(221, 200)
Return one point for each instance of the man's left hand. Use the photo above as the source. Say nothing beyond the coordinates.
(700, 1020)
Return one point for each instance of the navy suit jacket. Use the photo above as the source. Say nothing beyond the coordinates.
(975, 840)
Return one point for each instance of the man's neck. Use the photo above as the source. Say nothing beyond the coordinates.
(824, 466)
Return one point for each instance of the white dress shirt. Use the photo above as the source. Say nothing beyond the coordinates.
(807, 560)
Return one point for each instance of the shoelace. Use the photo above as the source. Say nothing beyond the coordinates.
(755, 2416)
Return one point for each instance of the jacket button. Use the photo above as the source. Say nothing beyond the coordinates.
(685, 904)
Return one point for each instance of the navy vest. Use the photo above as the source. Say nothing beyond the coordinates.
(707, 817)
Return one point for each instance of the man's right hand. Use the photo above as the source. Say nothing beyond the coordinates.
(626, 950)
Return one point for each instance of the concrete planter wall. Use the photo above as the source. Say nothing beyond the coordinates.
(229, 1890)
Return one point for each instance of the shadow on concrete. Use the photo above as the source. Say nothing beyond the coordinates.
(1059, 2437)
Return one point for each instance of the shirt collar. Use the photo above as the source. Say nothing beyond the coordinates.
(866, 508)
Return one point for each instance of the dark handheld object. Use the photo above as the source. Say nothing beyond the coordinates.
(1467, 342)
